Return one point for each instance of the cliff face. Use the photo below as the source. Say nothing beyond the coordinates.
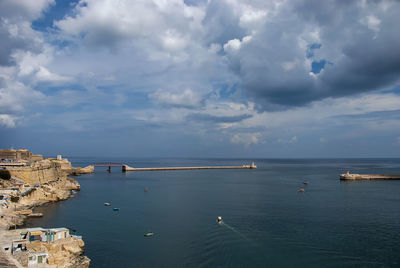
(38, 173)
(47, 170)
(57, 190)
(67, 253)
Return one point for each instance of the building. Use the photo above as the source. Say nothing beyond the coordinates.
(46, 235)
(37, 259)
(18, 155)
(47, 247)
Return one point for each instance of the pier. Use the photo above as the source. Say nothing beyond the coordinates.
(126, 168)
(349, 176)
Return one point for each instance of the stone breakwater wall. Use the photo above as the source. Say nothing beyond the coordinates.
(353, 177)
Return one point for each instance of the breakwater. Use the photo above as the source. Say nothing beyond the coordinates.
(126, 168)
(349, 176)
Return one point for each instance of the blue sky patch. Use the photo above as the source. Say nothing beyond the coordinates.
(317, 66)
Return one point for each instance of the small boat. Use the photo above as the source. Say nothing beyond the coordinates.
(305, 182)
(301, 190)
(116, 209)
(107, 204)
(37, 214)
(219, 219)
(148, 234)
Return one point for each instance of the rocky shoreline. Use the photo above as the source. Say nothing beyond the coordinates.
(17, 212)
(31, 186)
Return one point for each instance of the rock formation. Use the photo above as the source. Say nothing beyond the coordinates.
(33, 185)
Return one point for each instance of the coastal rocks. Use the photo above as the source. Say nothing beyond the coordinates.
(66, 167)
(34, 185)
(79, 170)
(24, 212)
(67, 253)
(60, 189)
(10, 219)
(64, 253)
(5, 261)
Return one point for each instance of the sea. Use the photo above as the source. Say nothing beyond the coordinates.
(267, 222)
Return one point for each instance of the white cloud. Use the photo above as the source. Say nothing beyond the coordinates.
(188, 98)
(372, 22)
(287, 141)
(46, 76)
(215, 48)
(289, 65)
(235, 44)
(151, 26)
(14, 95)
(24, 59)
(173, 41)
(8, 120)
(178, 56)
(246, 138)
(232, 45)
(27, 9)
(251, 17)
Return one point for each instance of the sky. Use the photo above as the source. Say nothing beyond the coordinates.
(205, 78)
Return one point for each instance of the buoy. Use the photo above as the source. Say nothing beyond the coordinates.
(219, 219)
(301, 190)
(149, 234)
(107, 204)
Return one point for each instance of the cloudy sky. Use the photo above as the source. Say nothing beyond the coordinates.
(201, 78)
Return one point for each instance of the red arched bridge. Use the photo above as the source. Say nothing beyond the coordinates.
(109, 165)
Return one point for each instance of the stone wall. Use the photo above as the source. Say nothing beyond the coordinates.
(41, 172)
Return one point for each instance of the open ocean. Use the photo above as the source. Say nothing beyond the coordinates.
(266, 221)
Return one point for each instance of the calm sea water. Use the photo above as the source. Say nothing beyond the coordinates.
(266, 221)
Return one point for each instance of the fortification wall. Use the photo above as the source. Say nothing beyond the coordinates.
(41, 172)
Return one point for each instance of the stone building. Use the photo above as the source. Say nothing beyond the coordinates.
(18, 155)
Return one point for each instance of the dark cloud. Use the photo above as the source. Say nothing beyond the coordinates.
(355, 50)
(10, 43)
(368, 65)
(380, 115)
(221, 23)
(15, 30)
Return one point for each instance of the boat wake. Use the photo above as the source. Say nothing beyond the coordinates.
(233, 229)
